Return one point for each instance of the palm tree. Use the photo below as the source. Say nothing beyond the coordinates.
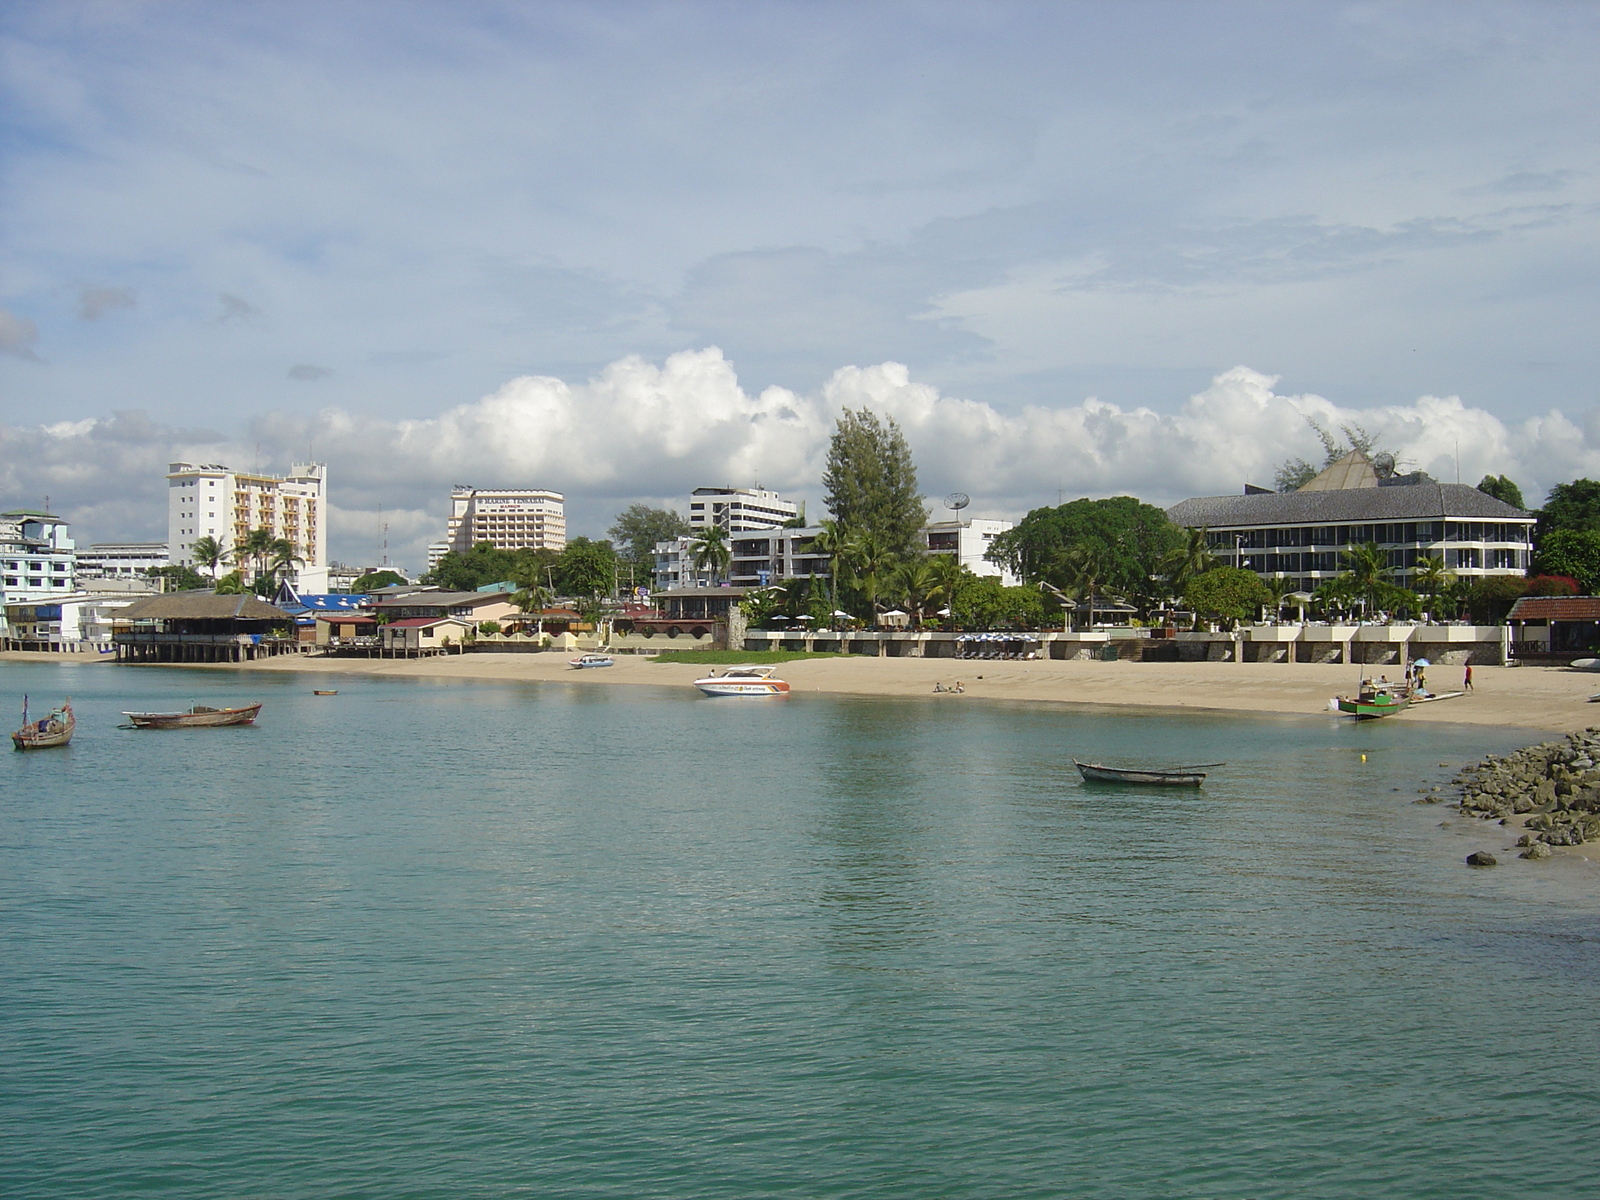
(949, 578)
(208, 553)
(829, 540)
(711, 551)
(254, 549)
(531, 594)
(870, 561)
(284, 554)
(914, 584)
(1193, 558)
(1278, 586)
(1431, 578)
(1086, 568)
(1368, 567)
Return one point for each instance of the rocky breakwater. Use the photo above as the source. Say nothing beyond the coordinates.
(1552, 790)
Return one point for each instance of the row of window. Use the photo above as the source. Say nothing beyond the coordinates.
(1465, 558)
(1414, 532)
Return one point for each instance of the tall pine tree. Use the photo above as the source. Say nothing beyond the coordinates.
(871, 482)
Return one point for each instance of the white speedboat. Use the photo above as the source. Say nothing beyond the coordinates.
(743, 681)
(584, 661)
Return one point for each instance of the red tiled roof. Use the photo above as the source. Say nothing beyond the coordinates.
(1556, 608)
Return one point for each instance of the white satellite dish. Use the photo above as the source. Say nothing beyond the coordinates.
(956, 501)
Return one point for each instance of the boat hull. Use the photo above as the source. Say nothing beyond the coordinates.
(1369, 710)
(1098, 773)
(199, 718)
(742, 687)
(55, 730)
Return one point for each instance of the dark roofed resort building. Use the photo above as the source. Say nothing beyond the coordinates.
(201, 627)
(1301, 534)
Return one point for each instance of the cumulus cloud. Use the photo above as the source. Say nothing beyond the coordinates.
(646, 430)
(308, 372)
(18, 335)
(96, 302)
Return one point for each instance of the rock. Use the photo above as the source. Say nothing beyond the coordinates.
(1536, 850)
(1480, 858)
(1525, 840)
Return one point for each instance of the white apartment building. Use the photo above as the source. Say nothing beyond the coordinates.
(739, 510)
(122, 560)
(761, 557)
(37, 557)
(508, 518)
(212, 500)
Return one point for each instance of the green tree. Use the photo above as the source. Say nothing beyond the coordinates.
(1192, 557)
(949, 578)
(1501, 488)
(480, 566)
(711, 552)
(1574, 552)
(636, 531)
(915, 584)
(1295, 473)
(373, 580)
(1430, 577)
(1574, 505)
(1229, 593)
(207, 552)
(586, 569)
(985, 603)
(180, 578)
(871, 482)
(829, 540)
(231, 584)
(868, 561)
(253, 551)
(1134, 541)
(281, 559)
(1368, 568)
(1489, 599)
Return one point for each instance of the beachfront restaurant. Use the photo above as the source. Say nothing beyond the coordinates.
(1555, 625)
(201, 627)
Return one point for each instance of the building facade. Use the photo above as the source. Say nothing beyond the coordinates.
(507, 518)
(122, 560)
(739, 510)
(38, 558)
(212, 500)
(969, 541)
(1302, 535)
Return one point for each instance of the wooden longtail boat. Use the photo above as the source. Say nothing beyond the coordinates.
(1159, 776)
(199, 717)
(54, 730)
(1372, 702)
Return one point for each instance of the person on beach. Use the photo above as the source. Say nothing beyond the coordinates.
(1466, 679)
(938, 687)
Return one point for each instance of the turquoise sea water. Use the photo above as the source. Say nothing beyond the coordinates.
(455, 940)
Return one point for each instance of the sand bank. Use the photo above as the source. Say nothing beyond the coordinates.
(1538, 698)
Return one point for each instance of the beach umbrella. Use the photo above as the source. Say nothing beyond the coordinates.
(837, 613)
(893, 612)
(804, 617)
(944, 612)
(1422, 662)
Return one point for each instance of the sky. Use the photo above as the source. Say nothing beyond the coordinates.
(627, 249)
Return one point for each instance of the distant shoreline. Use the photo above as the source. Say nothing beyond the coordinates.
(1540, 699)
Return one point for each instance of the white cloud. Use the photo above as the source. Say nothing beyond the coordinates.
(645, 430)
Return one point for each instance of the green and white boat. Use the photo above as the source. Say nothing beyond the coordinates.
(1373, 700)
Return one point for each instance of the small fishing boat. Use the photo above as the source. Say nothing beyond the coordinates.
(1192, 776)
(743, 681)
(1372, 700)
(326, 692)
(53, 730)
(201, 716)
(585, 662)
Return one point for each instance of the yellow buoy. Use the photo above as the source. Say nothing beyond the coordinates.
(1363, 758)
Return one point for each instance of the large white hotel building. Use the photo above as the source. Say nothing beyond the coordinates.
(509, 518)
(212, 500)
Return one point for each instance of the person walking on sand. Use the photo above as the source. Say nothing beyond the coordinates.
(1466, 679)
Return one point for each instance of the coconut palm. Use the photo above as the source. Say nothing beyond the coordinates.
(208, 553)
(711, 551)
(915, 584)
(949, 578)
(829, 540)
(1368, 568)
(1193, 558)
(1430, 577)
(1087, 566)
(1279, 586)
(870, 562)
(282, 557)
(253, 550)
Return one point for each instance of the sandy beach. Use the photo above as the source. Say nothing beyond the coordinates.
(1542, 699)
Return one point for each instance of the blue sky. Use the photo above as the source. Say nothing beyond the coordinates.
(602, 247)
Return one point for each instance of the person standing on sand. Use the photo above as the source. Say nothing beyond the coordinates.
(1466, 679)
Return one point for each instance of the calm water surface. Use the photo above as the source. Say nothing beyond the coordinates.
(444, 940)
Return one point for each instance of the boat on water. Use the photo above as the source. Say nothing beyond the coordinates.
(743, 681)
(325, 692)
(53, 730)
(585, 662)
(201, 716)
(1372, 700)
(1159, 776)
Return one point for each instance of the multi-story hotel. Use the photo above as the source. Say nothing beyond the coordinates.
(739, 510)
(1301, 535)
(507, 518)
(215, 501)
(760, 557)
(37, 556)
(122, 560)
